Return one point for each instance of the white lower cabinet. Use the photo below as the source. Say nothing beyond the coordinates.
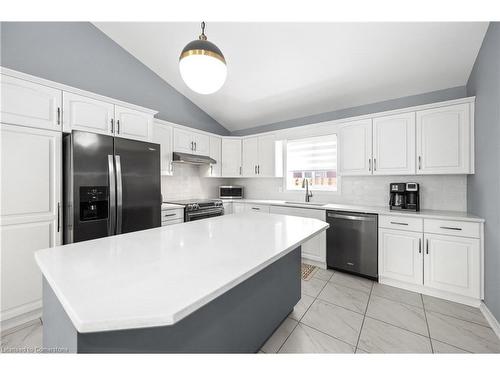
(443, 265)
(257, 208)
(239, 207)
(315, 248)
(31, 217)
(400, 255)
(452, 264)
(228, 208)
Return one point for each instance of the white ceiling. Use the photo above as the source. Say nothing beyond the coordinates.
(281, 71)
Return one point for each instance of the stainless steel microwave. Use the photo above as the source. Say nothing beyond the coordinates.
(233, 192)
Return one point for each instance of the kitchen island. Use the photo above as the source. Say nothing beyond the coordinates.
(217, 285)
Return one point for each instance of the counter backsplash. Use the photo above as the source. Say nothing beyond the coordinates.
(436, 192)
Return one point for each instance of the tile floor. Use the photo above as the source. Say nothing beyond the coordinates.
(340, 313)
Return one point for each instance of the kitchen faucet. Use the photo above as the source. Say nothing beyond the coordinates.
(309, 194)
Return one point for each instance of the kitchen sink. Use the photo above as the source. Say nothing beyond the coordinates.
(308, 203)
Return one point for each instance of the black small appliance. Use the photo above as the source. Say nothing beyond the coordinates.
(404, 196)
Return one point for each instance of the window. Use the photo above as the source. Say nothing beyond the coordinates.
(314, 159)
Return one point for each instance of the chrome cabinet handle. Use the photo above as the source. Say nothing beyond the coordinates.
(420, 246)
(211, 170)
(255, 169)
(58, 116)
(168, 215)
(256, 208)
(258, 169)
(58, 216)
(112, 126)
(374, 164)
(398, 223)
(118, 126)
(369, 165)
(240, 170)
(419, 162)
(451, 228)
(427, 246)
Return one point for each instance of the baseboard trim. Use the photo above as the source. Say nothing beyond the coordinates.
(490, 318)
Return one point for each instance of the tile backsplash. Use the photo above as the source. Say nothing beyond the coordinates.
(437, 192)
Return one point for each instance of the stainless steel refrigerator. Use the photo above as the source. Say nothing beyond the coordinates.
(111, 186)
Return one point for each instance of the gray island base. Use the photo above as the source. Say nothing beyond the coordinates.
(238, 321)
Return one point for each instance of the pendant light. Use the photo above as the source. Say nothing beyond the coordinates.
(202, 65)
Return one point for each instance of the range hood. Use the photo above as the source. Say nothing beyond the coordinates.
(182, 157)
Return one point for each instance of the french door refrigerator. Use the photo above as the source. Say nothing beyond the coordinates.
(111, 186)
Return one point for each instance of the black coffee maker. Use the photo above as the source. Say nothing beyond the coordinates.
(404, 196)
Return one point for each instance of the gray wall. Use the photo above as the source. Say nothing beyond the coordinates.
(408, 101)
(80, 55)
(483, 188)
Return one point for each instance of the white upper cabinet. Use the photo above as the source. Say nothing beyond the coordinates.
(30, 104)
(231, 157)
(87, 114)
(444, 141)
(394, 144)
(267, 156)
(133, 124)
(250, 160)
(355, 144)
(162, 134)
(215, 170)
(191, 142)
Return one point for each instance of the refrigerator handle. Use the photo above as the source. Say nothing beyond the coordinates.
(112, 195)
(119, 194)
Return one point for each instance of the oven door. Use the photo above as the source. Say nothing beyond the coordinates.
(204, 214)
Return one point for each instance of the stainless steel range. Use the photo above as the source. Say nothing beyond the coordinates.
(197, 209)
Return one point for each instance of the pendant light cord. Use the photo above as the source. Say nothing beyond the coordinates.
(203, 36)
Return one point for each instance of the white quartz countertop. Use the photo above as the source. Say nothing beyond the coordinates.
(159, 276)
(429, 214)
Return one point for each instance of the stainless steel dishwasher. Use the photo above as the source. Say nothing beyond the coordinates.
(352, 242)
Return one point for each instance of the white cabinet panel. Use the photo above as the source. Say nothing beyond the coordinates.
(201, 144)
(452, 264)
(400, 255)
(315, 248)
(250, 156)
(355, 145)
(30, 212)
(443, 140)
(394, 144)
(183, 141)
(228, 208)
(82, 113)
(267, 154)
(239, 207)
(133, 124)
(30, 104)
(231, 157)
(162, 134)
(214, 170)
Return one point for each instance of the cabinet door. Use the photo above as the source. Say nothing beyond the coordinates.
(162, 134)
(183, 141)
(443, 140)
(394, 144)
(452, 264)
(30, 104)
(315, 248)
(201, 144)
(238, 207)
(228, 208)
(267, 153)
(82, 113)
(355, 146)
(30, 213)
(231, 157)
(250, 155)
(133, 124)
(400, 255)
(215, 153)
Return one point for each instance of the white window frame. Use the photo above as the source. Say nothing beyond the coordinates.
(318, 192)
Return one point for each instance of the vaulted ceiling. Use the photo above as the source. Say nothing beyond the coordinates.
(281, 71)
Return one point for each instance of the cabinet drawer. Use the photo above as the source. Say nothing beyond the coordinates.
(172, 214)
(257, 208)
(454, 228)
(171, 222)
(400, 222)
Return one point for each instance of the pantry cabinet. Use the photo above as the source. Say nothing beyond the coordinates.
(87, 114)
(444, 141)
(355, 147)
(162, 134)
(231, 157)
(31, 217)
(394, 144)
(30, 104)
